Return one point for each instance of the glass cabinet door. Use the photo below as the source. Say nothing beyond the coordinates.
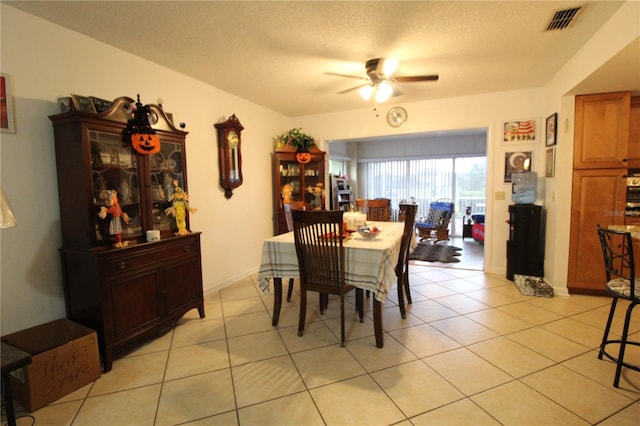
(167, 171)
(314, 184)
(115, 186)
(290, 175)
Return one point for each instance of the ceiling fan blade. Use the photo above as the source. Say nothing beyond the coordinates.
(352, 89)
(410, 79)
(346, 75)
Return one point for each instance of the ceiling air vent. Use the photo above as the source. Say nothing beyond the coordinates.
(563, 18)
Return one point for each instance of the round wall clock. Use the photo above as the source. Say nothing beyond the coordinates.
(396, 116)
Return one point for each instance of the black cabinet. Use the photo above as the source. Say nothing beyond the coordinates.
(525, 247)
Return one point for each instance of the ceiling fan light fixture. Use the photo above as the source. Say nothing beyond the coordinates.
(387, 66)
(366, 92)
(383, 92)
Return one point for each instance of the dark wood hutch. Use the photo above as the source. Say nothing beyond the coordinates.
(130, 292)
(306, 180)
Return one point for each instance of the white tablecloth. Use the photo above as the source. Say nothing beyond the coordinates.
(370, 264)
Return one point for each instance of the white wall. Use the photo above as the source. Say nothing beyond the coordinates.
(46, 61)
(471, 112)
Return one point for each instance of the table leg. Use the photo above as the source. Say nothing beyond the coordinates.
(8, 396)
(377, 322)
(277, 300)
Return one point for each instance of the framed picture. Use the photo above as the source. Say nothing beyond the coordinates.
(519, 131)
(550, 165)
(516, 162)
(83, 103)
(6, 105)
(552, 125)
(100, 105)
(65, 104)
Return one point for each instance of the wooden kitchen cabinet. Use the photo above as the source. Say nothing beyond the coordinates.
(305, 180)
(634, 133)
(129, 292)
(598, 199)
(602, 131)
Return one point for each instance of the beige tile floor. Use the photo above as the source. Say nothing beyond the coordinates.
(472, 351)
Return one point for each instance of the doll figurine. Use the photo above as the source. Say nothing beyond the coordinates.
(117, 216)
(287, 190)
(179, 207)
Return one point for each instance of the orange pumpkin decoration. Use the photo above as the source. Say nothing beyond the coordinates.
(145, 143)
(303, 157)
(143, 138)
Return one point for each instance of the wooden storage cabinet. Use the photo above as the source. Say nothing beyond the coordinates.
(602, 131)
(598, 199)
(303, 178)
(130, 292)
(604, 149)
(341, 194)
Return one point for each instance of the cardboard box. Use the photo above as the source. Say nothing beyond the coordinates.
(64, 358)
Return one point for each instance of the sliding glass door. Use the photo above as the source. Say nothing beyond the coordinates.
(461, 179)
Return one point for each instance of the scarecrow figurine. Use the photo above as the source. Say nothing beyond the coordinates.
(179, 207)
(117, 216)
(287, 190)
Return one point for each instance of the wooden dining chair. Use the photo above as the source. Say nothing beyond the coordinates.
(321, 261)
(619, 265)
(294, 205)
(408, 213)
(377, 210)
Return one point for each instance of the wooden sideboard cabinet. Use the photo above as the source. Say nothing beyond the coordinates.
(129, 292)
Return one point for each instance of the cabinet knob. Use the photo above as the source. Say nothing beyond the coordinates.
(122, 265)
(187, 249)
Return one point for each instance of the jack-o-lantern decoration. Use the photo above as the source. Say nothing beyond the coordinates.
(145, 143)
(303, 157)
(139, 131)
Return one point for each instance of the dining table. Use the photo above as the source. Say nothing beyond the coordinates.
(369, 264)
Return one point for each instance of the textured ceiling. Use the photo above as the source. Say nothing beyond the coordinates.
(277, 54)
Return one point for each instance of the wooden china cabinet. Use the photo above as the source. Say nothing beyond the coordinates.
(306, 181)
(129, 292)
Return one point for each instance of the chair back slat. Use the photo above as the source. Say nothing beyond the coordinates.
(319, 248)
(617, 251)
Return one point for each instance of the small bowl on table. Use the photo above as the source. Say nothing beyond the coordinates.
(369, 233)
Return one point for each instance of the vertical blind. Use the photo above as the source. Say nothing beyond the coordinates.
(461, 179)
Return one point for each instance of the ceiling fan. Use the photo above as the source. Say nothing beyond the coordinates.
(379, 79)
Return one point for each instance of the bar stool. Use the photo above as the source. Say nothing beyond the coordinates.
(617, 250)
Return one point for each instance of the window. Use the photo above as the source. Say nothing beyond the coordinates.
(462, 179)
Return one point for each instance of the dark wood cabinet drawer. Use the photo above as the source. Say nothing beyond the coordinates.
(150, 255)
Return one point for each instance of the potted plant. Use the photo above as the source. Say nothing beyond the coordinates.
(300, 141)
(297, 139)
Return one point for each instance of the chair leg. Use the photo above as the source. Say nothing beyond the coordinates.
(407, 291)
(290, 290)
(400, 286)
(324, 302)
(623, 345)
(303, 311)
(360, 303)
(605, 336)
(342, 339)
